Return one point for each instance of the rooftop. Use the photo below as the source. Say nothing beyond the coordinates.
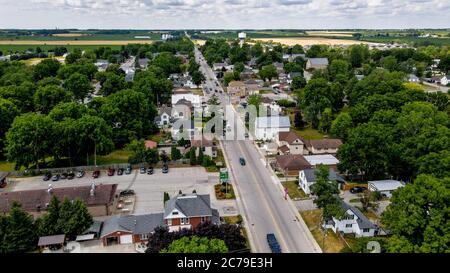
(51, 240)
(135, 224)
(324, 143)
(293, 162)
(326, 159)
(190, 205)
(310, 175)
(385, 185)
(273, 122)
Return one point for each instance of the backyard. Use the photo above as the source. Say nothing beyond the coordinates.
(293, 191)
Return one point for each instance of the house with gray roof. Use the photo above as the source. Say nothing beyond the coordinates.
(316, 63)
(187, 211)
(268, 128)
(129, 229)
(307, 178)
(385, 187)
(354, 222)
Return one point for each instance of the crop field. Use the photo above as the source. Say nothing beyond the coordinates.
(330, 33)
(21, 48)
(308, 41)
(72, 42)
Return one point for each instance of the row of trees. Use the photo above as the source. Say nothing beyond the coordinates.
(19, 232)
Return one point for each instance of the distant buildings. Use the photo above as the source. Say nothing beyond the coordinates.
(316, 63)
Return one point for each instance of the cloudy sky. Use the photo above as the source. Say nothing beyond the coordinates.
(224, 14)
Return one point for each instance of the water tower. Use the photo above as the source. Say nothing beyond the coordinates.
(242, 37)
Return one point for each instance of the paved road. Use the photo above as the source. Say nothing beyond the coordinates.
(260, 198)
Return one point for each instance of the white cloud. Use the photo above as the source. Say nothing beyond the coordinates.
(225, 13)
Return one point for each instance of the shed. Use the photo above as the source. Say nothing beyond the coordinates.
(385, 187)
(52, 241)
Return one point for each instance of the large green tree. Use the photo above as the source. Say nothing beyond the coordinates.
(49, 96)
(79, 85)
(419, 217)
(196, 244)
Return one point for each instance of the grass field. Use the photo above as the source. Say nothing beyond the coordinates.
(308, 133)
(74, 42)
(6, 166)
(308, 41)
(293, 190)
(21, 48)
(330, 33)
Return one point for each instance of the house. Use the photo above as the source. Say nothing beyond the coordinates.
(53, 241)
(129, 229)
(102, 65)
(323, 146)
(359, 77)
(236, 88)
(354, 222)
(445, 80)
(291, 164)
(292, 57)
(306, 178)
(100, 199)
(129, 75)
(93, 232)
(279, 67)
(268, 128)
(413, 78)
(290, 143)
(219, 66)
(187, 211)
(385, 187)
(143, 63)
(272, 107)
(247, 73)
(164, 117)
(324, 159)
(252, 87)
(150, 144)
(317, 63)
(292, 75)
(183, 129)
(208, 146)
(183, 93)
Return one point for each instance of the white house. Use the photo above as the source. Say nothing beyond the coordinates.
(354, 222)
(317, 63)
(445, 80)
(306, 178)
(385, 187)
(413, 78)
(164, 117)
(268, 128)
(186, 95)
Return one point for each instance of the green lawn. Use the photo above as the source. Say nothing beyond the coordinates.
(22, 48)
(6, 166)
(116, 157)
(293, 190)
(308, 133)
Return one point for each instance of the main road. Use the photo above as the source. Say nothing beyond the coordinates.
(260, 197)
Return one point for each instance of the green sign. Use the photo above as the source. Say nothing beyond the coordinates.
(223, 175)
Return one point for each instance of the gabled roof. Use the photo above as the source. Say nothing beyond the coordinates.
(204, 142)
(310, 176)
(289, 137)
(292, 162)
(362, 220)
(135, 224)
(51, 240)
(165, 110)
(273, 122)
(190, 205)
(236, 84)
(386, 185)
(318, 61)
(324, 143)
(325, 159)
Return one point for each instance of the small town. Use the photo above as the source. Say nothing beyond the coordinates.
(234, 141)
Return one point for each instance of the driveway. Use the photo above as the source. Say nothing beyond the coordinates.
(149, 188)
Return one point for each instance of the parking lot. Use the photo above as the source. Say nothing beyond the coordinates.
(149, 189)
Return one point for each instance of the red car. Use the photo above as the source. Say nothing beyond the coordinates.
(111, 172)
(96, 174)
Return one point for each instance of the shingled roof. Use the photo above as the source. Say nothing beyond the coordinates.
(293, 162)
(289, 137)
(35, 200)
(324, 143)
(190, 205)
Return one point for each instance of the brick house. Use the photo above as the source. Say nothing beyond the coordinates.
(99, 199)
(187, 211)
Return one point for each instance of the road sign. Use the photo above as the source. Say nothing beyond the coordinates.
(223, 175)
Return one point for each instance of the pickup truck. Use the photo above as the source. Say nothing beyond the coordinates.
(273, 243)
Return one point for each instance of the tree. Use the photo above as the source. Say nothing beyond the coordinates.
(192, 156)
(29, 139)
(79, 85)
(49, 96)
(19, 233)
(113, 83)
(197, 77)
(68, 110)
(268, 72)
(166, 197)
(298, 82)
(47, 223)
(200, 156)
(230, 234)
(159, 239)
(444, 64)
(369, 200)
(141, 154)
(298, 120)
(358, 54)
(341, 126)
(168, 62)
(418, 217)
(74, 217)
(314, 99)
(326, 120)
(196, 244)
(8, 111)
(175, 154)
(239, 67)
(325, 191)
(46, 68)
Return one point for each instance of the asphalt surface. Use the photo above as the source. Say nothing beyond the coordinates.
(260, 199)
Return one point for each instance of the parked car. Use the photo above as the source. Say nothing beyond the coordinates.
(63, 176)
(165, 169)
(56, 177)
(128, 170)
(70, 175)
(150, 170)
(246, 136)
(80, 174)
(111, 171)
(273, 243)
(96, 174)
(127, 192)
(142, 170)
(357, 189)
(47, 176)
(242, 161)
(120, 171)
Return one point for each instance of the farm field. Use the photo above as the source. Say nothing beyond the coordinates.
(330, 33)
(308, 41)
(21, 48)
(75, 42)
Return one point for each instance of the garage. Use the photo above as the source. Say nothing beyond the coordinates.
(126, 239)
